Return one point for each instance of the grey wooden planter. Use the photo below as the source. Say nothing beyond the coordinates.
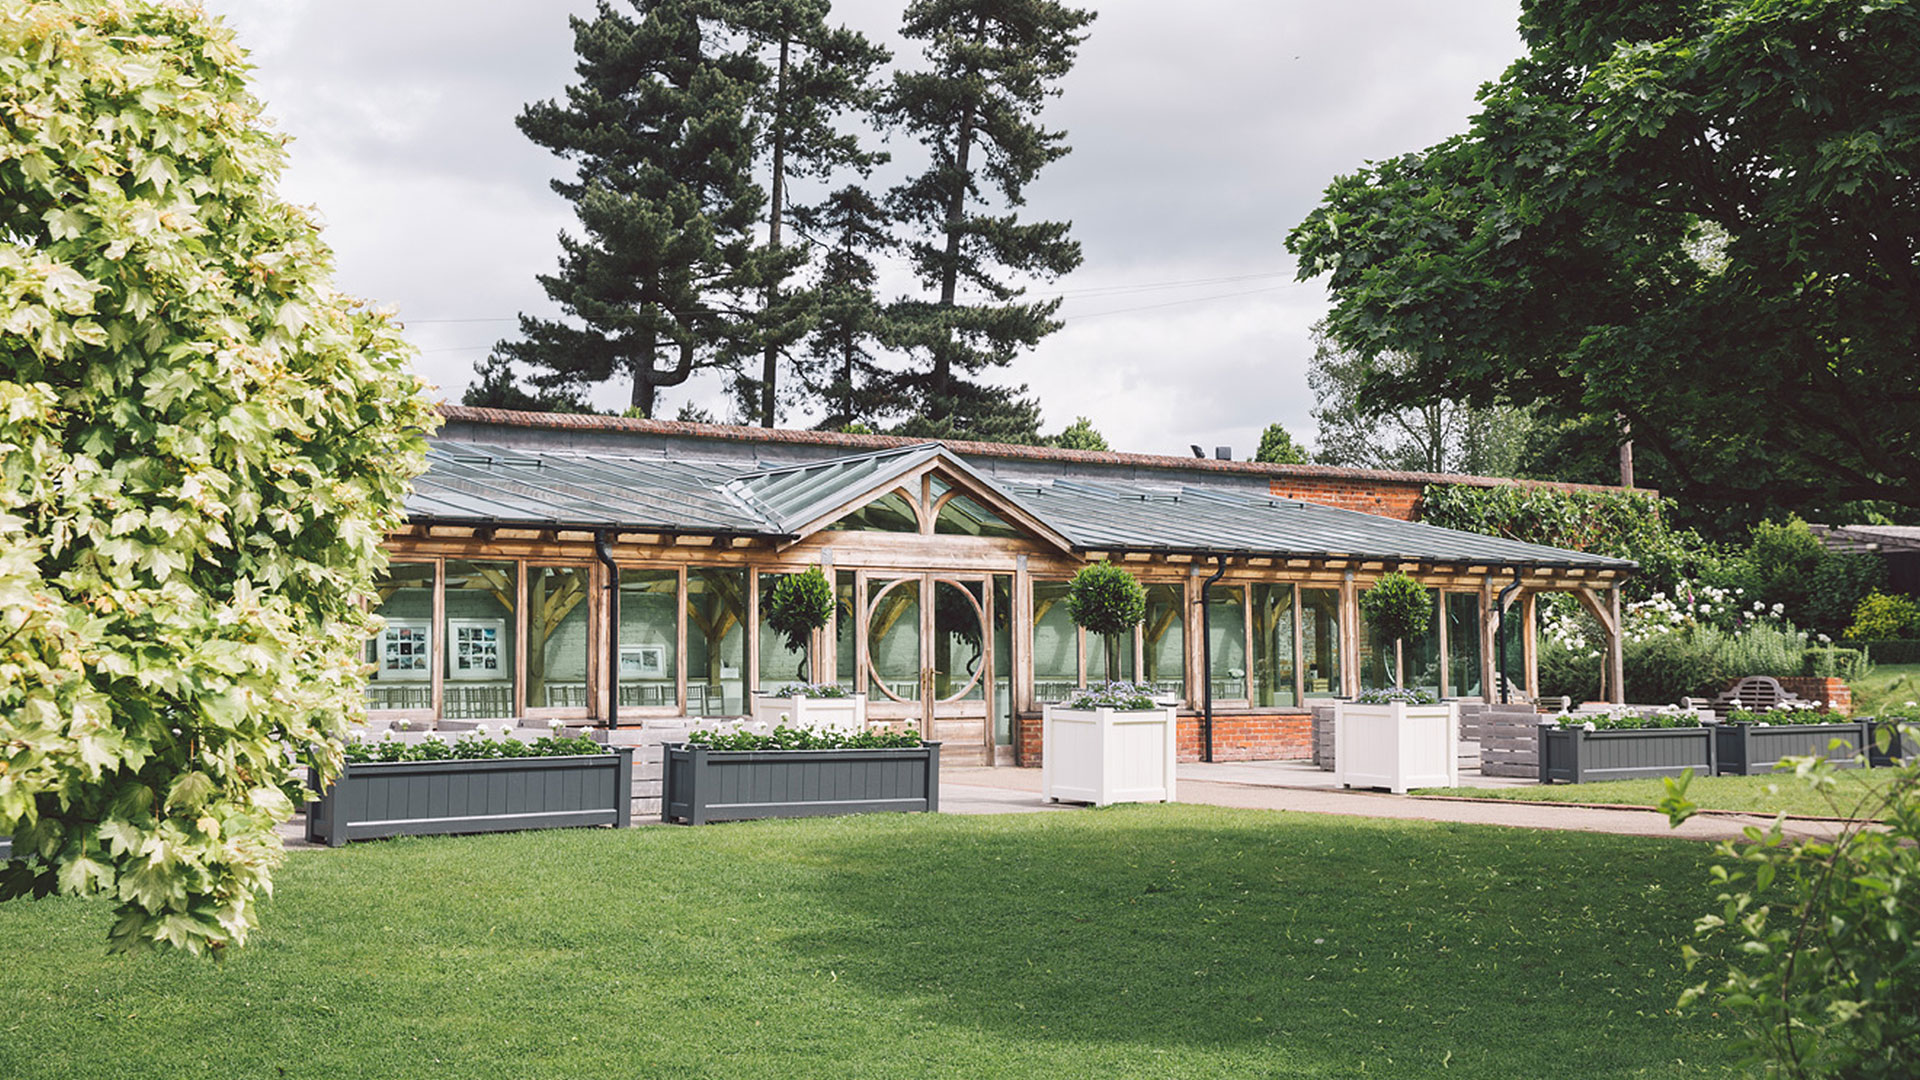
(1749, 749)
(1579, 756)
(376, 799)
(702, 785)
(1896, 746)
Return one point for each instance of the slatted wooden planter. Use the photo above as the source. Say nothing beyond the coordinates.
(1897, 747)
(1104, 756)
(1579, 756)
(1396, 746)
(1749, 749)
(702, 785)
(376, 799)
(828, 714)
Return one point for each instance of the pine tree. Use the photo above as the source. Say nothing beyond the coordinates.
(991, 66)
(659, 130)
(839, 366)
(815, 75)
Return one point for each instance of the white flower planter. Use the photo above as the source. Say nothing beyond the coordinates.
(827, 714)
(1105, 756)
(1396, 746)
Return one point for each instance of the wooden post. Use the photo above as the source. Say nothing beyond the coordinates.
(1617, 652)
(1489, 642)
(1531, 645)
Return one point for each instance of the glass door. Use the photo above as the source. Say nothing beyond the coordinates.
(930, 653)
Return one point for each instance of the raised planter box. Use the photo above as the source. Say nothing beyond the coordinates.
(1105, 756)
(1896, 746)
(1579, 756)
(1749, 749)
(830, 714)
(1396, 746)
(376, 799)
(700, 785)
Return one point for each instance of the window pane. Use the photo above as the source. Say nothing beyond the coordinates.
(1423, 652)
(1164, 649)
(958, 647)
(1320, 641)
(557, 627)
(1515, 631)
(480, 640)
(1226, 611)
(1273, 645)
(962, 516)
(845, 621)
(1002, 659)
(1463, 644)
(1422, 656)
(649, 638)
(1104, 650)
(888, 513)
(716, 642)
(402, 654)
(893, 639)
(779, 665)
(1056, 644)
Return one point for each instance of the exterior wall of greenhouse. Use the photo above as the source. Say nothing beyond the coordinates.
(950, 611)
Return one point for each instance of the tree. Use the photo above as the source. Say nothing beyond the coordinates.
(816, 75)
(1080, 435)
(1698, 216)
(991, 67)
(839, 365)
(202, 447)
(1436, 436)
(659, 133)
(1105, 600)
(1278, 447)
(497, 388)
(1397, 607)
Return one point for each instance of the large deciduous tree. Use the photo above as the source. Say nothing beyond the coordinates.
(1700, 216)
(202, 446)
(991, 66)
(660, 134)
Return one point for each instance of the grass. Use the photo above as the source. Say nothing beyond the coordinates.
(1771, 794)
(1166, 941)
(1888, 687)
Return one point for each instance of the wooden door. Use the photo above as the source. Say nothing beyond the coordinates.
(928, 651)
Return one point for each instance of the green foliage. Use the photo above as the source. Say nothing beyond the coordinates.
(813, 690)
(1385, 696)
(975, 108)
(1826, 932)
(1782, 557)
(1625, 720)
(1643, 207)
(839, 366)
(1104, 599)
(797, 605)
(1695, 661)
(469, 747)
(1881, 617)
(1397, 607)
(1836, 588)
(1831, 662)
(1080, 435)
(1788, 715)
(202, 446)
(1278, 447)
(790, 738)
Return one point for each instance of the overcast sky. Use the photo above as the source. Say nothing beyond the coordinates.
(1201, 131)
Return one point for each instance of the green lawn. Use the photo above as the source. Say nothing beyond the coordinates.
(1886, 687)
(1166, 941)
(1757, 794)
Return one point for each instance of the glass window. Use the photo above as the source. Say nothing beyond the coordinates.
(1421, 654)
(480, 640)
(557, 636)
(891, 512)
(1320, 641)
(779, 665)
(1273, 645)
(649, 638)
(1227, 630)
(1109, 657)
(716, 642)
(402, 654)
(845, 621)
(964, 517)
(893, 639)
(1056, 643)
(1163, 645)
(1515, 631)
(959, 648)
(1002, 659)
(1463, 644)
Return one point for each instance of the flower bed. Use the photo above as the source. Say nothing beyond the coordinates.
(1109, 743)
(1624, 746)
(796, 772)
(1750, 743)
(474, 785)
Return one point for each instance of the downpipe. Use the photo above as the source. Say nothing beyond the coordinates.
(1206, 658)
(603, 548)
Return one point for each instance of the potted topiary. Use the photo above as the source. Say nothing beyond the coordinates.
(1396, 739)
(795, 607)
(1108, 743)
(1106, 600)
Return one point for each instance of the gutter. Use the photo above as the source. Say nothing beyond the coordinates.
(603, 547)
(1206, 659)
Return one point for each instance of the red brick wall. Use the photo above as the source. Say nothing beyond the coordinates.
(1270, 737)
(1809, 688)
(1387, 498)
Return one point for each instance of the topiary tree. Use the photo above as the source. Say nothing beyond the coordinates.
(796, 606)
(1398, 607)
(1106, 600)
(202, 446)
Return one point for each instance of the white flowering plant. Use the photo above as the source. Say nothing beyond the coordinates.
(1620, 718)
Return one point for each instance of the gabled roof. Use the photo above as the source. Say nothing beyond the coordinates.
(480, 484)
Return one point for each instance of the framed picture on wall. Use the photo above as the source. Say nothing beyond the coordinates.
(476, 648)
(643, 661)
(404, 650)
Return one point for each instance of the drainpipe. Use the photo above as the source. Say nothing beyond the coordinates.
(1206, 658)
(1500, 633)
(604, 548)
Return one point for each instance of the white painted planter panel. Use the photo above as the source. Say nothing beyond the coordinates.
(1396, 746)
(1105, 756)
(826, 714)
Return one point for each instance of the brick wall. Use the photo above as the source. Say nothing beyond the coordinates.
(1812, 688)
(1265, 737)
(1387, 498)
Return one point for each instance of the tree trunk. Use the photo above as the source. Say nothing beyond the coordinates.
(770, 362)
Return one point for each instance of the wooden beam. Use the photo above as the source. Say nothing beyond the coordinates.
(1137, 557)
(693, 541)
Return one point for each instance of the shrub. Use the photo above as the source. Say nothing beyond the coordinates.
(796, 606)
(1667, 667)
(1761, 649)
(790, 738)
(1836, 588)
(1831, 662)
(1880, 616)
(1106, 600)
(1825, 932)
